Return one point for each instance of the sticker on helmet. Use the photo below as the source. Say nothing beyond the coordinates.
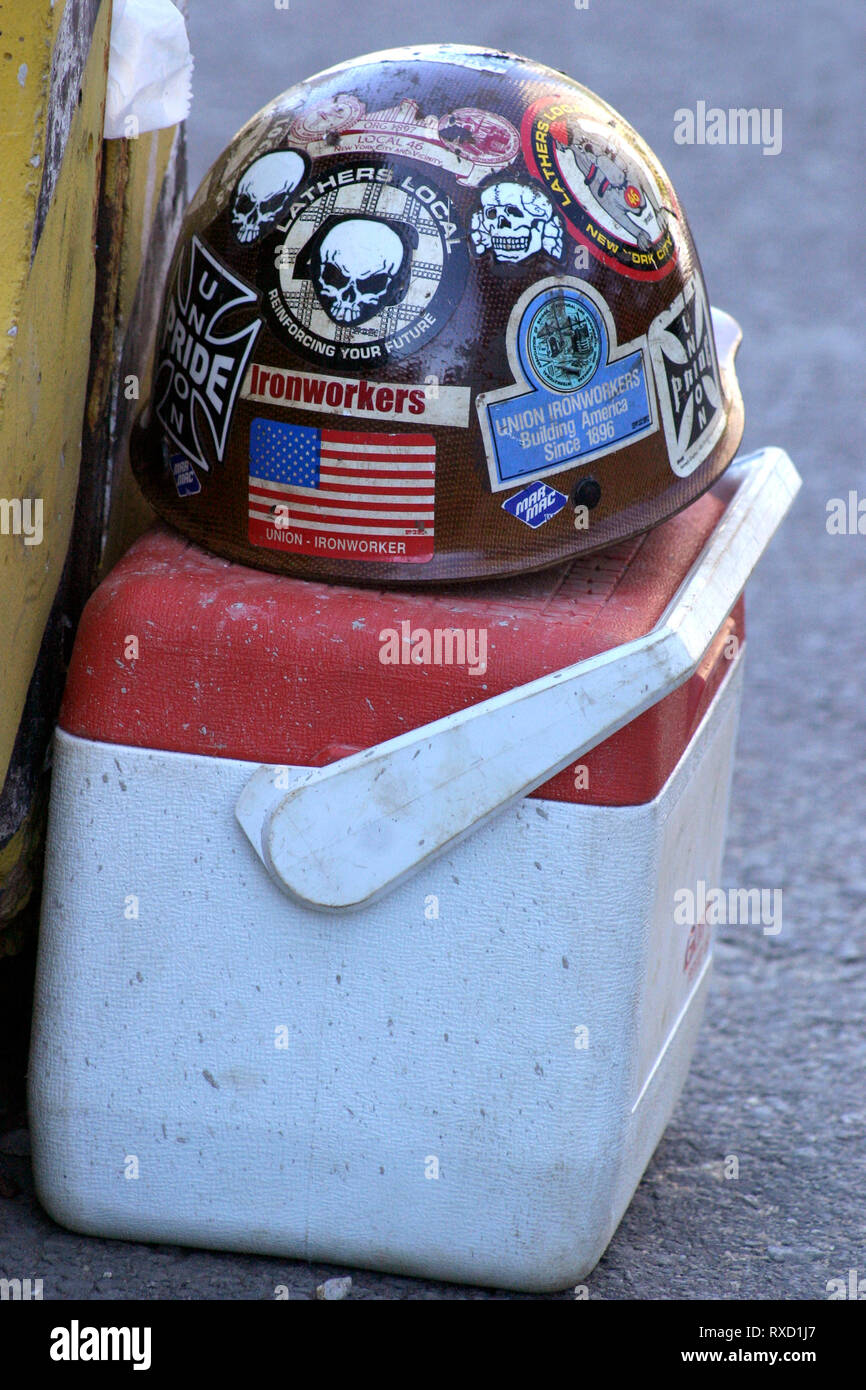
(359, 266)
(200, 368)
(371, 264)
(467, 142)
(610, 199)
(183, 475)
(263, 191)
(515, 221)
(576, 394)
(336, 395)
(341, 494)
(686, 368)
(483, 138)
(535, 504)
(326, 116)
(460, 56)
(564, 343)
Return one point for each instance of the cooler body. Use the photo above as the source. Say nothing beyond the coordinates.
(464, 1080)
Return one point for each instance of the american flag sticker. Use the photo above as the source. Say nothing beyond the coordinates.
(341, 492)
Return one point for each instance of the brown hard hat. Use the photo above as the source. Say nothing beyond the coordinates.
(435, 314)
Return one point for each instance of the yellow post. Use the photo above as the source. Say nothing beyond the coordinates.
(86, 229)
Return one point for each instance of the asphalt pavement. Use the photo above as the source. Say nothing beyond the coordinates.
(778, 1077)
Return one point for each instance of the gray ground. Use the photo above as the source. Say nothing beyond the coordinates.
(778, 1079)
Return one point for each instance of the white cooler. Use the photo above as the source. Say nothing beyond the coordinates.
(464, 1077)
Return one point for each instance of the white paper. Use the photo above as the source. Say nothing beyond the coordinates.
(149, 68)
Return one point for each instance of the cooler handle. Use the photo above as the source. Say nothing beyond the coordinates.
(344, 834)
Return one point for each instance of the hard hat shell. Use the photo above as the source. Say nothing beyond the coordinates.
(434, 314)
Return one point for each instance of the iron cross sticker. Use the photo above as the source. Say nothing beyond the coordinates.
(200, 368)
(686, 369)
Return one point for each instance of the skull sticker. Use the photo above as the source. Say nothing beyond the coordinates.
(358, 266)
(263, 191)
(373, 261)
(357, 269)
(515, 222)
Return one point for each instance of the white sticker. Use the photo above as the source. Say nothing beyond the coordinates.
(467, 142)
(577, 393)
(686, 369)
(339, 395)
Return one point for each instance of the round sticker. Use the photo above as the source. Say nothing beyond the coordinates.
(368, 263)
(563, 343)
(610, 199)
(319, 118)
(481, 136)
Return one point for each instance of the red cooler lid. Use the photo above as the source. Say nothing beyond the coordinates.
(182, 651)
